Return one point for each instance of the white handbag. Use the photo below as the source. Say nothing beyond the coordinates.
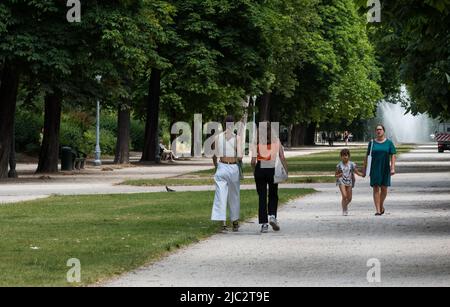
(281, 174)
(369, 161)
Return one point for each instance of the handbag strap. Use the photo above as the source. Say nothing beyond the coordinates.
(280, 148)
(236, 146)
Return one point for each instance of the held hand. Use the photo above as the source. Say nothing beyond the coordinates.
(363, 173)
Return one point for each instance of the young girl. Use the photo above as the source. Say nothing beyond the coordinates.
(345, 175)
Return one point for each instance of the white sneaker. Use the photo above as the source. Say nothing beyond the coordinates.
(274, 223)
(264, 228)
(345, 213)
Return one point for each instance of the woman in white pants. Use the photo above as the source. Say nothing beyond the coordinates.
(227, 177)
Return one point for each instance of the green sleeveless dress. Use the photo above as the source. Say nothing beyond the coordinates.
(380, 173)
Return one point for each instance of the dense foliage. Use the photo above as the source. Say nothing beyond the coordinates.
(312, 63)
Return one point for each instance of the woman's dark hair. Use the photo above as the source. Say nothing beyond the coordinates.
(229, 119)
(382, 126)
(229, 122)
(345, 152)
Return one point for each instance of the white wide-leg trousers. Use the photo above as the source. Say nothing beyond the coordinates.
(228, 191)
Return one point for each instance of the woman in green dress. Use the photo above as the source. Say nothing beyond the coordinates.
(382, 167)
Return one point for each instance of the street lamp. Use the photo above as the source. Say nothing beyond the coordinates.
(98, 161)
(254, 109)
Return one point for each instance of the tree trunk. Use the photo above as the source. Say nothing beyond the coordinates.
(275, 114)
(151, 148)
(298, 135)
(123, 137)
(49, 154)
(310, 134)
(12, 157)
(264, 107)
(290, 131)
(8, 95)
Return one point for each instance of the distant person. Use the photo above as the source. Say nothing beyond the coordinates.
(383, 153)
(41, 136)
(346, 137)
(284, 137)
(345, 179)
(324, 138)
(227, 146)
(331, 137)
(166, 154)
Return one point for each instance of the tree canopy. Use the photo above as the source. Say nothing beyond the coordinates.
(311, 62)
(413, 46)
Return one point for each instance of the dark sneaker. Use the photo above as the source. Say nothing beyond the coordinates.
(264, 228)
(274, 223)
(235, 226)
(224, 227)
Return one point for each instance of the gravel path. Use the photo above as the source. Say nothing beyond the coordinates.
(319, 247)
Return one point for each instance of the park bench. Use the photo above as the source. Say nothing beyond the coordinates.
(80, 160)
(72, 159)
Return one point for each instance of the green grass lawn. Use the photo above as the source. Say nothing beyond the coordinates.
(109, 234)
(174, 182)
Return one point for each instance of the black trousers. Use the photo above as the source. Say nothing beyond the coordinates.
(264, 178)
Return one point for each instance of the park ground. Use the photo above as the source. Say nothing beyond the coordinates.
(108, 178)
(317, 246)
